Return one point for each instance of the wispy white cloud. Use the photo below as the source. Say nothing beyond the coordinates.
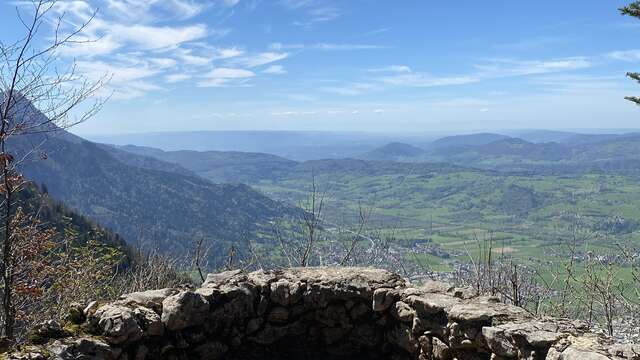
(163, 62)
(204, 54)
(128, 54)
(188, 57)
(213, 82)
(415, 79)
(338, 112)
(312, 11)
(260, 59)
(91, 47)
(284, 113)
(400, 75)
(297, 4)
(375, 32)
(112, 29)
(509, 67)
(144, 43)
(625, 55)
(404, 76)
(121, 72)
(275, 70)
(342, 47)
(174, 78)
(580, 83)
(326, 47)
(227, 53)
(230, 73)
(80, 9)
(319, 15)
(281, 46)
(393, 69)
(128, 79)
(154, 37)
(136, 10)
(230, 3)
(351, 89)
(226, 77)
(532, 43)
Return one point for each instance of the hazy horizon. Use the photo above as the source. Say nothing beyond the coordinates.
(452, 132)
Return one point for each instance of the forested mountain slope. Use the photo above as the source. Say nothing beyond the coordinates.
(55, 214)
(162, 209)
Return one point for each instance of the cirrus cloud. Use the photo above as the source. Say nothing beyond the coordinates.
(275, 70)
(225, 77)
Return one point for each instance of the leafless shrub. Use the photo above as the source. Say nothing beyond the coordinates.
(298, 240)
(354, 238)
(312, 217)
(578, 279)
(151, 270)
(494, 271)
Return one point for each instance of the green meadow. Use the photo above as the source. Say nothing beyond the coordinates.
(529, 217)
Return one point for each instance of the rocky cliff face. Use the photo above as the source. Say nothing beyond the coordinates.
(314, 313)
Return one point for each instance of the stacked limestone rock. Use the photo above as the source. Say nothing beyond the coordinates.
(326, 312)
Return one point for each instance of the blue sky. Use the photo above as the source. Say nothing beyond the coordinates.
(400, 66)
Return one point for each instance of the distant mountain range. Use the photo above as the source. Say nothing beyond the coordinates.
(317, 145)
(294, 145)
(574, 152)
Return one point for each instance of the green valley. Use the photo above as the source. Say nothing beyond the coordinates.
(527, 215)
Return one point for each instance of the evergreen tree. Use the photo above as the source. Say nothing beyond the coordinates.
(632, 9)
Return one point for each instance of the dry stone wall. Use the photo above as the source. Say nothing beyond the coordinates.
(314, 313)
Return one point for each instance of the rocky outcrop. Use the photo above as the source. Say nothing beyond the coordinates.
(319, 313)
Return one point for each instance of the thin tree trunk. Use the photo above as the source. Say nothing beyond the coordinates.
(7, 274)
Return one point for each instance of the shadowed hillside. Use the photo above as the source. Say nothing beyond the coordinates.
(155, 204)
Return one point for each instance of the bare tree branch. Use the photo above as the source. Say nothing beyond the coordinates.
(35, 98)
